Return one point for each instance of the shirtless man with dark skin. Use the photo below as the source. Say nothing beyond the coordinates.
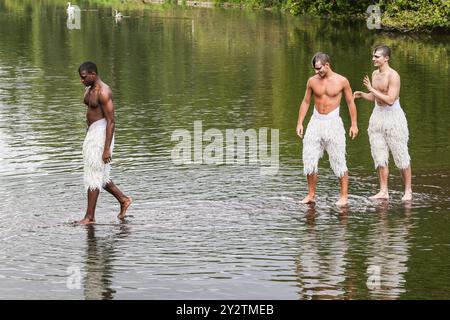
(327, 88)
(99, 102)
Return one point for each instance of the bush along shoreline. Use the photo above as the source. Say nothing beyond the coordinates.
(394, 15)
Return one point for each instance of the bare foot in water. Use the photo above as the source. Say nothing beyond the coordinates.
(308, 199)
(85, 221)
(123, 207)
(380, 195)
(343, 201)
(407, 196)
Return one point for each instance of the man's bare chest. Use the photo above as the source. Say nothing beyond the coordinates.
(329, 90)
(381, 82)
(91, 98)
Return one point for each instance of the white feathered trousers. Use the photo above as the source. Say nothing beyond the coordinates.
(388, 130)
(324, 133)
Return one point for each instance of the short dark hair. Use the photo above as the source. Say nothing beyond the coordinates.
(322, 57)
(386, 51)
(88, 66)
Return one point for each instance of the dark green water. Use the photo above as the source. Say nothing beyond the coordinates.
(211, 231)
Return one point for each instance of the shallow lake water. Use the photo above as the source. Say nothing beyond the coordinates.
(211, 231)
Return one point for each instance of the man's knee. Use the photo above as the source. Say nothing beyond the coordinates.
(401, 155)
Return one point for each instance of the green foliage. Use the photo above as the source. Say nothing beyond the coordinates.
(419, 15)
(253, 4)
(410, 15)
(327, 7)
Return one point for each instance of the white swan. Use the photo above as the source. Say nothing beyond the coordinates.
(70, 9)
(118, 15)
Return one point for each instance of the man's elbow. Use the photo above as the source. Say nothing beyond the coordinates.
(391, 101)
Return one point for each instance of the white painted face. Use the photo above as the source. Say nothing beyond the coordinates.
(378, 58)
(320, 69)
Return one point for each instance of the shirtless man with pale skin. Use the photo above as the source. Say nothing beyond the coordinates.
(99, 142)
(388, 128)
(325, 131)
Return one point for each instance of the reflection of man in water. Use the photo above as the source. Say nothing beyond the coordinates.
(322, 264)
(99, 260)
(388, 251)
(99, 142)
(325, 131)
(388, 128)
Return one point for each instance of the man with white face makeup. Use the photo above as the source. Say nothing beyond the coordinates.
(388, 128)
(325, 131)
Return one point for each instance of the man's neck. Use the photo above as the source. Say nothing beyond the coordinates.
(329, 74)
(96, 84)
(383, 68)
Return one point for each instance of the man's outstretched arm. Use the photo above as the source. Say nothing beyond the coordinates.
(366, 96)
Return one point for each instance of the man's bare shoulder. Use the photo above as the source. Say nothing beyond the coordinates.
(312, 82)
(105, 90)
(339, 78)
(338, 75)
(105, 94)
(342, 79)
(393, 74)
(313, 79)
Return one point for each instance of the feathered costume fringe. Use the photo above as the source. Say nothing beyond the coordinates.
(96, 172)
(388, 130)
(324, 133)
